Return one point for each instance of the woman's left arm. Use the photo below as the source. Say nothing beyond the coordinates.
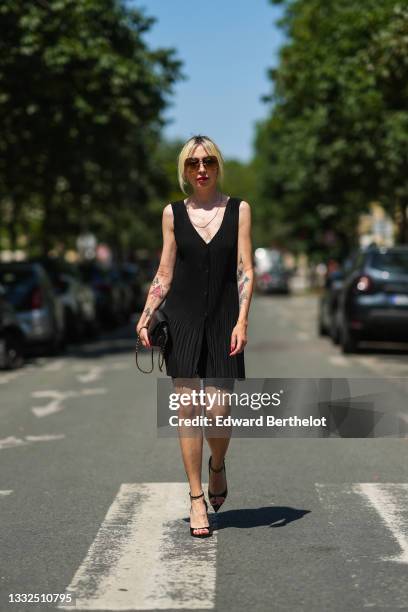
(245, 279)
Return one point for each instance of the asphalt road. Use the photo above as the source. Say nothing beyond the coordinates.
(93, 501)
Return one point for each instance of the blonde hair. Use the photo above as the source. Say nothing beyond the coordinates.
(211, 148)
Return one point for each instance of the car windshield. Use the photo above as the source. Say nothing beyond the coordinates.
(18, 284)
(391, 261)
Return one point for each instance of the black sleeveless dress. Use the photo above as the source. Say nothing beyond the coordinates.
(202, 304)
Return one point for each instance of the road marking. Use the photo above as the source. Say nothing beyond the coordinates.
(383, 365)
(54, 405)
(54, 366)
(12, 441)
(302, 336)
(6, 492)
(143, 557)
(121, 365)
(57, 398)
(6, 378)
(391, 502)
(94, 373)
(45, 437)
(339, 360)
(370, 525)
(94, 391)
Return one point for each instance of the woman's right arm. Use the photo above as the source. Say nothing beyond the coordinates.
(162, 281)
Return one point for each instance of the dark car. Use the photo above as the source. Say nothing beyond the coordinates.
(11, 335)
(273, 280)
(77, 298)
(271, 276)
(132, 276)
(373, 304)
(125, 292)
(107, 291)
(39, 312)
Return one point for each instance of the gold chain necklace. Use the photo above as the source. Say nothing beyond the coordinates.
(210, 221)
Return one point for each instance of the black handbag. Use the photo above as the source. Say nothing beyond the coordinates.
(158, 332)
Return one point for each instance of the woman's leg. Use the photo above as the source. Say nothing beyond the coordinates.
(218, 438)
(191, 444)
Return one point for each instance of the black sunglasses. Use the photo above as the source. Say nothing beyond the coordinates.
(208, 162)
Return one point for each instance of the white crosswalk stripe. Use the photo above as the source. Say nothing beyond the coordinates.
(390, 501)
(370, 524)
(384, 365)
(143, 557)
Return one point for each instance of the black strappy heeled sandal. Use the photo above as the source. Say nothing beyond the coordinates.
(207, 527)
(224, 494)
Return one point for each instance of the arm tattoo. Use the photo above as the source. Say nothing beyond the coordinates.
(240, 269)
(156, 289)
(147, 312)
(157, 292)
(242, 281)
(243, 294)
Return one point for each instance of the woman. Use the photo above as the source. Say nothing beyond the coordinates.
(206, 276)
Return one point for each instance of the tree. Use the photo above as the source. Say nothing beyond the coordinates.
(321, 151)
(78, 140)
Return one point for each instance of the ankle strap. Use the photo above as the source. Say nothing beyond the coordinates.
(196, 496)
(221, 468)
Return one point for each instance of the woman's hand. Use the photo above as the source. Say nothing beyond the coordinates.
(238, 338)
(141, 331)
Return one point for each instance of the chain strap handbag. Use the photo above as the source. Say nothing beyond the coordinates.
(158, 332)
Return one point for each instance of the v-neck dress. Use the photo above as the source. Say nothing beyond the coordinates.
(202, 305)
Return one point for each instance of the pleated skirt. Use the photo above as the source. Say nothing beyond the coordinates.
(202, 349)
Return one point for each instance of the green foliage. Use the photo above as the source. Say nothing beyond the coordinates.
(81, 100)
(337, 133)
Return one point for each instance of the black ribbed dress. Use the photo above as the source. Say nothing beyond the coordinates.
(202, 304)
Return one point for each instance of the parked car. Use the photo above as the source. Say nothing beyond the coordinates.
(329, 304)
(131, 274)
(11, 335)
(39, 312)
(108, 295)
(373, 303)
(271, 275)
(274, 280)
(148, 265)
(125, 292)
(77, 298)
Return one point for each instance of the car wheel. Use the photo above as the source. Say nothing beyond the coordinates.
(74, 326)
(13, 352)
(57, 345)
(92, 329)
(348, 340)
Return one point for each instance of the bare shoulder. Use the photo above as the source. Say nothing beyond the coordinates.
(244, 206)
(168, 211)
(168, 218)
(244, 212)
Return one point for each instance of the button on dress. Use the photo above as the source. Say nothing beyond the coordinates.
(202, 305)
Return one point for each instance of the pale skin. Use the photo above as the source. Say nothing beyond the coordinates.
(205, 205)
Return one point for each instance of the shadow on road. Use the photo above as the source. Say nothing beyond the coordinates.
(271, 516)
